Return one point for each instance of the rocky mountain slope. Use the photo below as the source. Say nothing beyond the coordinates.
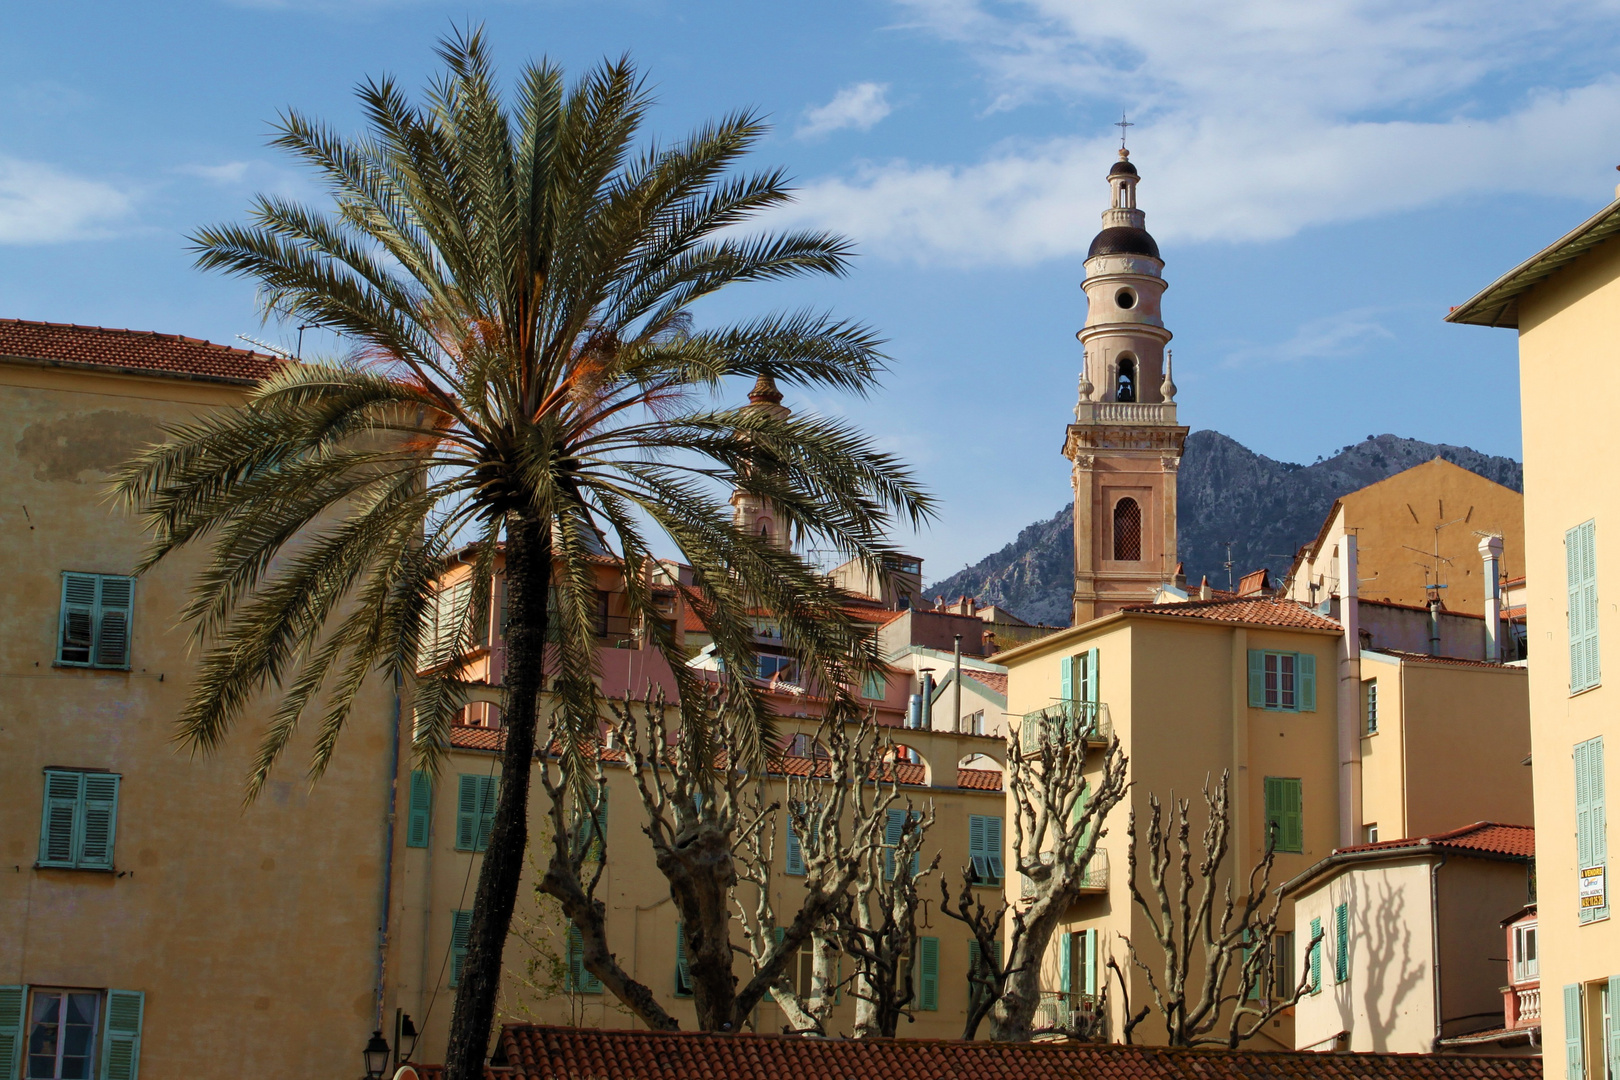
(1226, 492)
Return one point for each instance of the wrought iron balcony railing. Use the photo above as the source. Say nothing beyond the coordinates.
(1068, 719)
(1082, 1016)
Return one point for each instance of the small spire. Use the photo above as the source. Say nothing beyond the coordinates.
(765, 391)
(1167, 389)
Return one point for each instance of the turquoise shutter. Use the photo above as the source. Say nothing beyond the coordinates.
(1574, 1045)
(683, 978)
(779, 935)
(795, 853)
(1066, 678)
(113, 610)
(420, 821)
(1089, 963)
(1613, 1049)
(1591, 824)
(121, 1042)
(1092, 689)
(1580, 555)
(12, 1033)
(488, 788)
(928, 973)
(1257, 679)
(1315, 959)
(1341, 943)
(77, 634)
(893, 828)
(976, 856)
(460, 935)
(59, 822)
(1305, 673)
(992, 846)
(1066, 963)
(467, 811)
(100, 821)
(580, 980)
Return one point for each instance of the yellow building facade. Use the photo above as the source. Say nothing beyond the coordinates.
(149, 922)
(1565, 304)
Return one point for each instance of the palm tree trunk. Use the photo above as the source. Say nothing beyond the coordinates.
(528, 577)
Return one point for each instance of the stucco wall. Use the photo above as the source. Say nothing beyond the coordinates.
(1467, 736)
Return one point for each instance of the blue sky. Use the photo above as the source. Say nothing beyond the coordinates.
(1324, 180)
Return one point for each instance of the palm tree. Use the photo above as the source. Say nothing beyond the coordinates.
(517, 283)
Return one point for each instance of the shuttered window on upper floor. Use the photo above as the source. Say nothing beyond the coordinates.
(1591, 830)
(1580, 561)
(1282, 681)
(1285, 812)
(475, 810)
(93, 627)
(79, 821)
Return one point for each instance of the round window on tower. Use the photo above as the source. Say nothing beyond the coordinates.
(1125, 299)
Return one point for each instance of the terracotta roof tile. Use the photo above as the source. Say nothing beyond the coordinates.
(1451, 661)
(978, 779)
(534, 1052)
(132, 350)
(470, 737)
(995, 680)
(1486, 836)
(1259, 611)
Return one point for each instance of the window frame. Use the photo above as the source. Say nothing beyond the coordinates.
(97, 612)
(1370, 712)
(1522, 967)
(97, 1030)
(1273, 689)
(993, 873)
(80, 820)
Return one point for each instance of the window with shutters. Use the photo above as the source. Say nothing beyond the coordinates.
(475, 810)
(1313, 959)
(1283, 980)
(460, 935)
(79, 822)
(1282, 681)
(591, 821)
(874, 686)
(1580, 559)
(61, 1039)
(419, 822)
(683, 974)
(1591, 831)
(928, 973)
(976, 975)
(1341, 943)
(1285, 812)
(894, 830)
(94, 625)
(794, 861)
(580, 980)
(984, 849)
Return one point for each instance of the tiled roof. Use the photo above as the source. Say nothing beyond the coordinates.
(469, 737)
(877, 616)
(1486, 836)
(533, 1052)
(1258, 611)
(995, 680)
(139, 351)
(978, 779)
(1449, 661)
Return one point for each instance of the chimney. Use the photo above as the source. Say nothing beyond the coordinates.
(1204, 591)
(1349, 703)
(1490, 550)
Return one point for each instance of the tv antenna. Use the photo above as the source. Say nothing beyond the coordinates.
(1432, 570)
(1228, 563)
(265, 345)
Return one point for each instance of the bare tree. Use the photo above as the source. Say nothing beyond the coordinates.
(987, 975)
(851, 779)
(1057, 819)
(879, 922)
(698, 818)
(1197, 942)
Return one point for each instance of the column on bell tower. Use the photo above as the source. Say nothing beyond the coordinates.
(1125, 443)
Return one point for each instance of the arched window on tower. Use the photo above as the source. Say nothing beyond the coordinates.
(1127, 531)
(1125, 386)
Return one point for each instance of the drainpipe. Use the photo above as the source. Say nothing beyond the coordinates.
(1490, 550)
(956, 688)
(1434, 627)
(388, 862)
(1349, 694)
(1434, 931)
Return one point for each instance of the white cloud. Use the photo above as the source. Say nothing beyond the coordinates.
(230, 172)
(1256, 119)
(40, 204)
(1345, 333)
(859, 106)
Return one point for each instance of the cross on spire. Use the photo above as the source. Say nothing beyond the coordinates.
(1122, 124)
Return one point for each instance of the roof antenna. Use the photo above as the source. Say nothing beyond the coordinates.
(1228, 544)
(265, 345)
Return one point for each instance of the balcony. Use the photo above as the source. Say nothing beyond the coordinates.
(1071, 720)
(1522, 1005)
(1095, 879)
(1083, 1016)
(1125, 412)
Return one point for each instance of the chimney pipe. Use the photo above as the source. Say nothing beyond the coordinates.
(956, 687)
(1490, 550)
(1349, 694)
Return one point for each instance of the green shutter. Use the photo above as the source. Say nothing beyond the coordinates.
(59, 821)
(1305, 678)
(1093, 690)
(1580, 557)
(114, 609)
(12, 1033)
(1574, 1045)
(76, 634)
(1066, 678)
(1090, 967)
(99, 826)
(121, 1042)
(420, 821)
(1341, 943)
(1315, 959)
(1285, 810)
(928, 973)
(1591, 819)
(683, 975)
(460, 935)
(1613, 1049)
(795, 854)
(580, 980)
(984, 848)
(475, 811)
(1257, 679)
(778, 935)
(488, 789)
(1065, 963)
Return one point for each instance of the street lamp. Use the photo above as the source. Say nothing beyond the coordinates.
(376, 1056)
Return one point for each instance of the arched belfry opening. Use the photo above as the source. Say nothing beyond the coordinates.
(1127, 531)
(1125, 384)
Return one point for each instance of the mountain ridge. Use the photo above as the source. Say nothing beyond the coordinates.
(1225, 491)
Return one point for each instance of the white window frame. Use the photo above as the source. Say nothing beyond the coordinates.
(1281, 686)
(91, 1063)
(1526, 969)
(1372, 707)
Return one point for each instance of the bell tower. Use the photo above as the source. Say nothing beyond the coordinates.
(755, 513)
(1125, 443)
